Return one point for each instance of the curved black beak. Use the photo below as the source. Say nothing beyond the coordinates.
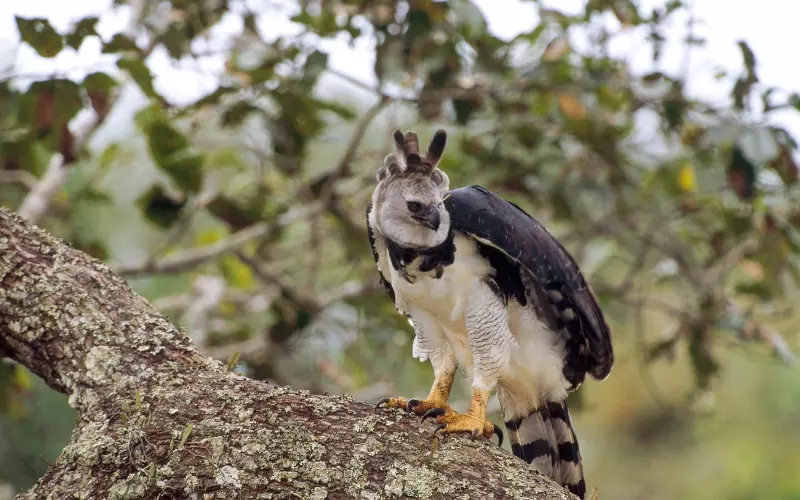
(428, 216)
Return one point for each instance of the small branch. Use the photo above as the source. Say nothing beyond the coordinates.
(37, 202)
(748, 328)
(22, 177)
(257, 347)
(731, 259)
(188, 259)
(182, 301)
(298, 298)
(358, 136)
(354, 81)
(322, 186)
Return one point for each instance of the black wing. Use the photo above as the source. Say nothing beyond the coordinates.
(556, 285)
(371, 237)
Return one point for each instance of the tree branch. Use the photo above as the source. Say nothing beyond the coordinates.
(159, 420)
(188, 259)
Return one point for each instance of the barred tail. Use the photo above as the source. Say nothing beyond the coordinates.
(546, 440)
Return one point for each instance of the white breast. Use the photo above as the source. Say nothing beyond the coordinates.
(443, 298)
(535, 367)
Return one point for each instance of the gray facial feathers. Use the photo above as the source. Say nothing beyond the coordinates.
(407, 202)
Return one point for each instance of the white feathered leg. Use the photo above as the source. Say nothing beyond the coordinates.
(430, 343)
(490, 342)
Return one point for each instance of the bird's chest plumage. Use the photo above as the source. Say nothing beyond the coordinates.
(534, 366)
(440, 283)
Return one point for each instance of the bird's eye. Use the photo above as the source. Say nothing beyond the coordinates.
(413, 206)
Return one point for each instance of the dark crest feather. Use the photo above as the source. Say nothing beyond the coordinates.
(408, 147)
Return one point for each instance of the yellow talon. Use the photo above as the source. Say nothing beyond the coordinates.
(472, 422)
(437, 398)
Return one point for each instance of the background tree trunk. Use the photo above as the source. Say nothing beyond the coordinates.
(157, 419)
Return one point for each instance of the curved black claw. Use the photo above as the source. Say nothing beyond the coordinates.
(475, 434)
(382, 400)
(411, 403)
(438, 428)
(499, 433)
(433, 413)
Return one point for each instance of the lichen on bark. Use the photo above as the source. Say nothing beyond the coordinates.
(157, 419)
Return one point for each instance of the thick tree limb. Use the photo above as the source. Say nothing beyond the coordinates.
(159, 420)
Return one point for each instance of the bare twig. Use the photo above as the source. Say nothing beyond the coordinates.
(257, 347)
(731, 259)
(748, 329)
(22, 177)
(37, 202)
(268, 276)
(646, 376)
(188, 259)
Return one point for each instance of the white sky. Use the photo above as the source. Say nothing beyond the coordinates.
(770, 29)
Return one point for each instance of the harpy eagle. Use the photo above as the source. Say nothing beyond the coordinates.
(486, 287)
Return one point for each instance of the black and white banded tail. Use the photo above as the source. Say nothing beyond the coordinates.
(546, 440)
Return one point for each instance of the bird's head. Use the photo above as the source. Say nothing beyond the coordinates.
(407, 202)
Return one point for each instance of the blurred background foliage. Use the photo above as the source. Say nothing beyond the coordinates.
(241, 215)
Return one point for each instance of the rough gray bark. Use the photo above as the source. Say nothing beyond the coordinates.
(157, 419)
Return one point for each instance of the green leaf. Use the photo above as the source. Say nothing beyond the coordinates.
(95, 195)
(740, 92)
(315, 64)
(757, 289)
(172, 153)
(99, 81)
(749, 59)
(674, 111)
(38, 33)
(236, 273)
(175, 41)
(214, 97)
(533, 35)
(159, 208)
(96, 249)
(661, 349)
(235, 114)
(236, 215)
(323, 24)
(469, 18)
(785, 166)
(233, 360)
(185, 434)
(794, 101)
(59, 98)
(109, 155)
(140, 73)
(84, 28)
(703, 362)
(340, 110)
(464, 109)
(741, 175)
(120, 43)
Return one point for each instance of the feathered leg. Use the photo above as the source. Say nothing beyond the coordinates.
(430, 342)
(490, 342)
(546, 439)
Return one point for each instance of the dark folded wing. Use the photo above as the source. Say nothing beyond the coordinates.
(554, 274)
(371, 237)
